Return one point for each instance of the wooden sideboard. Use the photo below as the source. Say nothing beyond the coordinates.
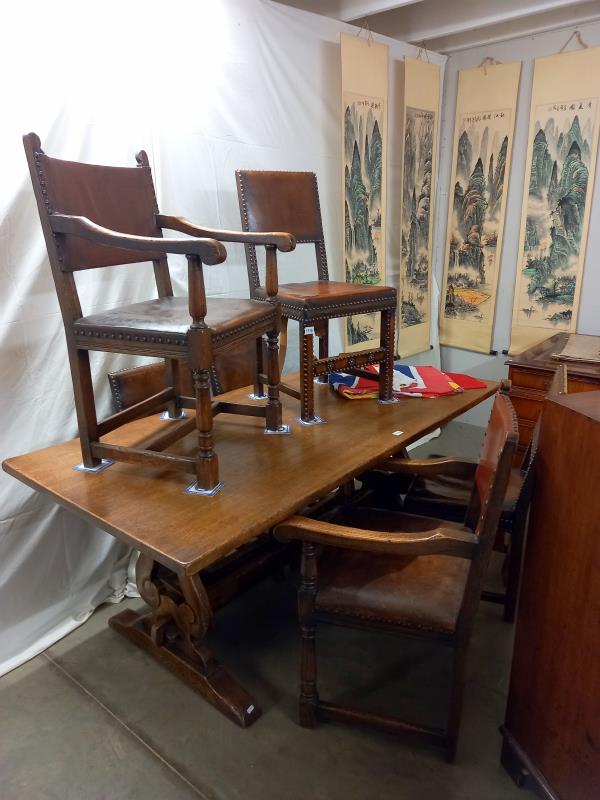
(552, 727)
(531, 373)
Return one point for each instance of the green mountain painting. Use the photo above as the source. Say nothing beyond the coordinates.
(558, 196)
(363, 182)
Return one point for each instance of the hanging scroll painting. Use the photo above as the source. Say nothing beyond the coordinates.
(482, 152)
(560, 167)
(419, 156)
(364, 153)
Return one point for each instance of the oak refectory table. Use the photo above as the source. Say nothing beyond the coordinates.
(266, 479)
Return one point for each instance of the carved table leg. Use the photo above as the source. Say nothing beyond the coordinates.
(174, 633)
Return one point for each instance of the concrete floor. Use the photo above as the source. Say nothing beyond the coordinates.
(93, 718)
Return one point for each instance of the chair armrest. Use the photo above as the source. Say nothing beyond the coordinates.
(284, 242)
(208, 250)
(438, 541)
(429, 467)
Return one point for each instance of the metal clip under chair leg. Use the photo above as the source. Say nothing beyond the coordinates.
(282, 429)
(165, 415)
(105, 463)
(193, 488)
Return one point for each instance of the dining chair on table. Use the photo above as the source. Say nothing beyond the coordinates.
(407, 575)
(291, 200)
(442, 487)
(99, 216)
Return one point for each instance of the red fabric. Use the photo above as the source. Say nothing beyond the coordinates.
(466, 381)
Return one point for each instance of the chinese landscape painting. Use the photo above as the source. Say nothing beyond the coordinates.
(559, 178)
(481, 160)
(558, 194)
(419, 153)
(415, 253)
(363, 152)
(477, 202)
(363, 176)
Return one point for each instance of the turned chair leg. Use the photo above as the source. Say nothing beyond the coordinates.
(173, 375)
(283, 340)
(322, 331)
(307, 392)
(387, 341)
(309, 699)
(207, 464)
(273, 410)
(85, 406)
(456, 701)
(259, 387)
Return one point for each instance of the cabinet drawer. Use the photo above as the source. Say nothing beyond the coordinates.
(526, 407)
(531, 380)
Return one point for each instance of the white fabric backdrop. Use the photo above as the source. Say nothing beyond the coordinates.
(204, 88)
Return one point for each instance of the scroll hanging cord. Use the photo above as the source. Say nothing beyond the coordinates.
(575, 35)
(366, 27)
(488, 61)
(422, 51)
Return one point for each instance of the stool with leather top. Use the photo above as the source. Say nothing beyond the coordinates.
(291, 200)
(98, 216)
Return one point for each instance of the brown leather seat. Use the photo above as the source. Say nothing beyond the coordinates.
(309, 300)
(170, 316)
(422, 593)
(289, 201)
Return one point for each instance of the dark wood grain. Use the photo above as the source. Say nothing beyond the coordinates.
(552, 728)
(530, 373)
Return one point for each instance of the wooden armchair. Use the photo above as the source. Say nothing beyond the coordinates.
(291, 200)
(404, 574)
(442, 487)
(97, 216)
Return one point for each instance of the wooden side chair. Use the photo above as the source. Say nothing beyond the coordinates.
(291, 200)
(98, 216)
(442, 487)
(408, 575)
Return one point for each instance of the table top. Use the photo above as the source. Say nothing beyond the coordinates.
(266, 478)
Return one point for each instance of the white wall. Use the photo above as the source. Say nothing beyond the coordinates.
(526, 50)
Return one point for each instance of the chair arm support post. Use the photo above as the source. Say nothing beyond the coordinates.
(271, 277)
(284, 242)
(443, 540)
(196, 292)
(209, 250)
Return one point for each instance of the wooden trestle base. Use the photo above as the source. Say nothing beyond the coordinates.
(193, 663)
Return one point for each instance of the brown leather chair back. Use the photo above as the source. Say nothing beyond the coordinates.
(88, 190)
(281, 201)
(501, 435)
